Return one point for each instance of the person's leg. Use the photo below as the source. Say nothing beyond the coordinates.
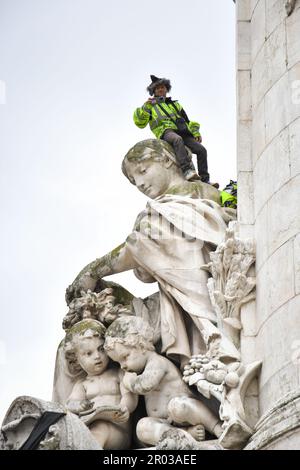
(150, 430)
(181, 153)
(109, 435)
(186, 410)
(201, 153)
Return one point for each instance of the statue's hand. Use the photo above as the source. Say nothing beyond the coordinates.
(121, 415)
(80, 406)
(79, 286)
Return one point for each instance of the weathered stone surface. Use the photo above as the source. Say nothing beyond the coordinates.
(258, 131)
(287, 441)
(243, 10)
(244, 51)
(246, 212)
(273, 163)
(278, 429)
(253, 5)
(248, 319)
(244, 96)
(294, 92)
(290, 6)
(244, 146)
(275, 283)
(252, 404)
(246, 230)
(248, 348)
(284, 380)
(269, 65)
(294, 131)
(281, 276)
(277, 108)
(282, 329)
(275, 14)
(297, 263)
(261, 231)
(284, 216)
(258, 29)
(293, 38)
(275, 102)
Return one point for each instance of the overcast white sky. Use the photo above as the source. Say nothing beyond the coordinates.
(73, 72)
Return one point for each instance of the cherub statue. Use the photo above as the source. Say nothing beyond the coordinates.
(170, 404)
(100, 399)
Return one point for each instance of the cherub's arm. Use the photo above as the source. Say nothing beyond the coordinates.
(77, 401)
(145, 382)
(128, 399)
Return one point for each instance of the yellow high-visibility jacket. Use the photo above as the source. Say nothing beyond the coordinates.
(159, 122)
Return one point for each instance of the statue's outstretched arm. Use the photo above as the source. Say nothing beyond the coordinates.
(114, 262)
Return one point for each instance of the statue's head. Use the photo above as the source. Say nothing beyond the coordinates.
(151, 166)
(84, 347)
(128, 340)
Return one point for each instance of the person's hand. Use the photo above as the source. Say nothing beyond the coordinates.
(148, 102)
(198, 139)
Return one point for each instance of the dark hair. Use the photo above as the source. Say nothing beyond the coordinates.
(156, 83)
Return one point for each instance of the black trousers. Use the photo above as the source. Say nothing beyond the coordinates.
(178, 143)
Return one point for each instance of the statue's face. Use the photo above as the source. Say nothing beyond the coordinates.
(150, 177)
(91, 356)
(131, 359)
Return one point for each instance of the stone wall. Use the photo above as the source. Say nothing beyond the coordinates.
(268, 90)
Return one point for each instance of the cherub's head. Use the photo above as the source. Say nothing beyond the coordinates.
(84, 346)
(128, 341)
(151, 166)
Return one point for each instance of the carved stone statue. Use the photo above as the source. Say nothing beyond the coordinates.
(100, 398)
(169, 402)
(170, 241)
(178, 348)
(68, 433)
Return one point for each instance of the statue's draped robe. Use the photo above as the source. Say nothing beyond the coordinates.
(170, 242)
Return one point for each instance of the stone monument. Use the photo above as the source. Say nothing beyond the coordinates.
(268, 157)
(165, 371)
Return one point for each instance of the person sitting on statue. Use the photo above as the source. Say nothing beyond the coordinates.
(169, 121)
(100, 399)
(129, 341)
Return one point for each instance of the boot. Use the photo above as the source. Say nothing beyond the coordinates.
(191, 175)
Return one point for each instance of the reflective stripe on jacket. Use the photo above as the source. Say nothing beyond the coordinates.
(159, 122)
